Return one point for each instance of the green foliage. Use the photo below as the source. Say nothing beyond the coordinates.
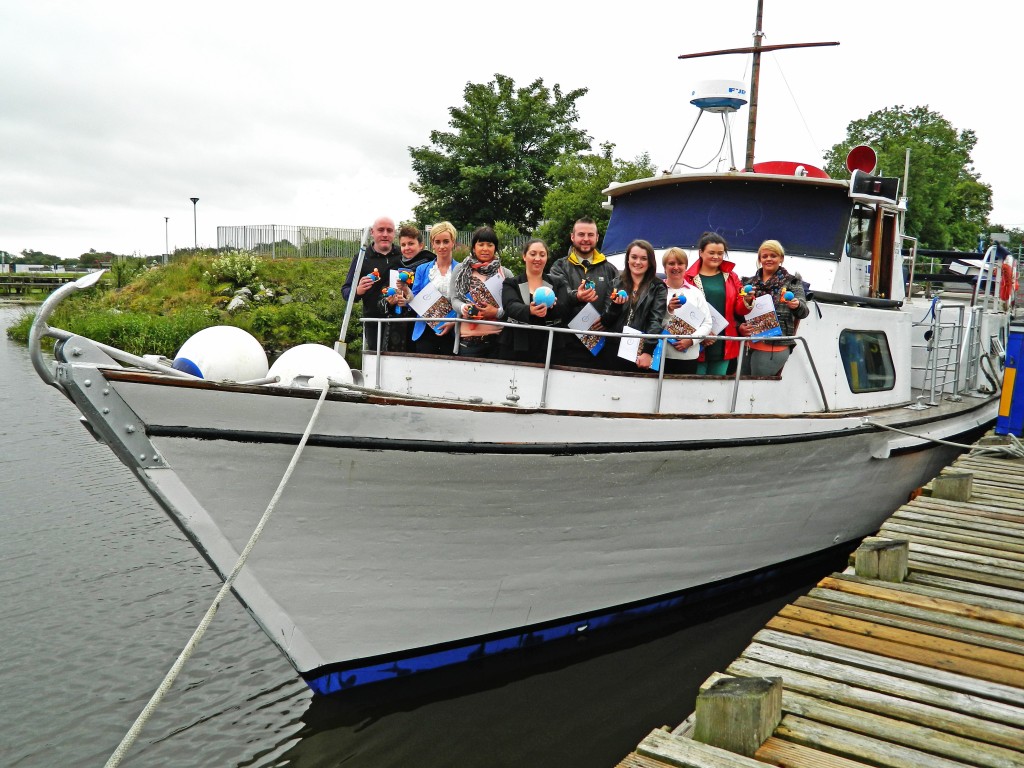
(948, 204)
(238, 268)
(164, 306)
(123, 269)
(510, 254)
(578, 184)
(493, 164)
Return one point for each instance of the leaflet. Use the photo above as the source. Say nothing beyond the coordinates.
(762, 319)
(585, 320)
(430, 302)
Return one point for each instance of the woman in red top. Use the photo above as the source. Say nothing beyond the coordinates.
(721, 287)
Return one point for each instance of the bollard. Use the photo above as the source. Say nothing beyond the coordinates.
(739, 713)
(953, 486)
(882, 559)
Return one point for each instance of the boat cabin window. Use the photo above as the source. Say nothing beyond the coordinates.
(861, 232)
(867, 361)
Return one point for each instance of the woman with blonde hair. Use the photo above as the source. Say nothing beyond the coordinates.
(439, 274)
(766, 357)
(680, 356)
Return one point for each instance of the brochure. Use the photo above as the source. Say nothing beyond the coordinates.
(762, 319)
(585, 320)
(430, 302)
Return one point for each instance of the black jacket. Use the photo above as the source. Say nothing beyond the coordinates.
(645, 313)
(525, 344)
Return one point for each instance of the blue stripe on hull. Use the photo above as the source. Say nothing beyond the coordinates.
(327, 681)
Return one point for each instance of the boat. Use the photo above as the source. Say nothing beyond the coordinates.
(445, 510)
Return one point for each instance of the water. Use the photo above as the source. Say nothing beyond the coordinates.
(100, 592)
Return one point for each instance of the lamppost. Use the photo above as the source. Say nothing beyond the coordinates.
(195, 236)
(167, 250)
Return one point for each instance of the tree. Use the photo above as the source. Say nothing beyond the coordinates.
(493, 165)
(28, 256)
(948, 206)
(578, 184)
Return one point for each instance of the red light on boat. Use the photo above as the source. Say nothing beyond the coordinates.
(861, 158)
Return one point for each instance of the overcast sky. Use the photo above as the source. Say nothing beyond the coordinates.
(113, 114)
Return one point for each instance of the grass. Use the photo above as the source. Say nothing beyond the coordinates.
(297, 301)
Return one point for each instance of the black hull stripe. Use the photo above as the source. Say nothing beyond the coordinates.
(545, 449)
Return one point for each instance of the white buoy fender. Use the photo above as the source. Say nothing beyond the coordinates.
(314, 360)
(222, 353)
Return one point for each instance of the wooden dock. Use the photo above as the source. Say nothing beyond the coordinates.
(22, 285)
(918, 661)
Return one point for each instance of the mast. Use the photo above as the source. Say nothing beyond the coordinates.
(755, 75)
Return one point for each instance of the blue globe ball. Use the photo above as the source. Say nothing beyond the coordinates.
(545, 296)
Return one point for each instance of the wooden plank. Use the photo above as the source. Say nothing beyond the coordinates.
(960, 538)
(993, 511)
(968, 552)
(926, 642)
(906, 734)
(914, 624)
(910, 670)
(894, 706)
(982, 527)
(966, 573)
(958, 585)
(971, 561)
(633, 760)
(924, 690)
(900, 609)
(985, 609)
(858, 747)
(787, 754)
(898, 650)
(687, 753)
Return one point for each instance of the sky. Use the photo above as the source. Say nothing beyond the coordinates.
(114, 114)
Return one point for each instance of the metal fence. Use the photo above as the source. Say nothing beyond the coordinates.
(288, 241)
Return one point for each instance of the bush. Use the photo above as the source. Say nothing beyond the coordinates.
(240, 269)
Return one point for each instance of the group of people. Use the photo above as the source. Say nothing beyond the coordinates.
(582, 291)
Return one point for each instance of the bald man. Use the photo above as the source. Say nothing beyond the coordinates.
(383, 255)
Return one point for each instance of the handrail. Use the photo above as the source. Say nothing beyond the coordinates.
(743, 340)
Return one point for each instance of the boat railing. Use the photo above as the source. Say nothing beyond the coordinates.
(383, 322)
(948, 344)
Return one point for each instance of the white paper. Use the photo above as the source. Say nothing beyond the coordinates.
(425, 299)
(585, 318)
(718, 323)
(629, 346)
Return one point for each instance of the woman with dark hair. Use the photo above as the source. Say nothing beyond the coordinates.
(721, 286)
(477, 290)
(522, 304)
(637, 300)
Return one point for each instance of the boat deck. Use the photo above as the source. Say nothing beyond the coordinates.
(924, 671)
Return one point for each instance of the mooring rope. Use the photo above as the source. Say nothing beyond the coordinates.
(168, 681)
(1014, 450)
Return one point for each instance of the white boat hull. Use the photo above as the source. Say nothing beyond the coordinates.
(396, 548)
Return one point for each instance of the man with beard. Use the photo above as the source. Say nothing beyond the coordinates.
(590, 277)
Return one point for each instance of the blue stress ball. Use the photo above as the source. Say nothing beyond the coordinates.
(748, 288)
(589, 285)
(622, 294)
(681, 299)
(788, 295)
(545, 296)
